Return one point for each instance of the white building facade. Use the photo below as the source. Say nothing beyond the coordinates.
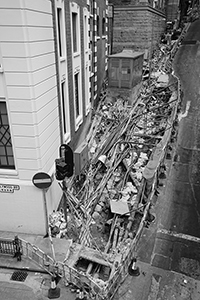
(36, 115)
(30, 135)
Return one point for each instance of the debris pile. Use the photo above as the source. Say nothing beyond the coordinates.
(57, 224)
(125, 145)
(121, 142)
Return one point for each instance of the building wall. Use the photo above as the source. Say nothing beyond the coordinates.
(95, 58)
(76, 63)
(101, 44)
(172, 10)
(30, 92)
(31, 75)
(137, 27)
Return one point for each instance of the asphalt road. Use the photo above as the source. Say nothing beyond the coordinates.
(169, 250)
(176, 241)
(180, 220)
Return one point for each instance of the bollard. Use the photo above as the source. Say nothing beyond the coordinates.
(54, 291)
(133, 270)
(80, 294)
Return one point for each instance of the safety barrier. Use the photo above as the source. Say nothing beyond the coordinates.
(8, 246)
(68, 274)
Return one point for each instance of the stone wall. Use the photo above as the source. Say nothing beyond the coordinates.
(137, 27)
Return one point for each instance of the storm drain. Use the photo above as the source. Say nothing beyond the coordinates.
(19, 276)
(189, 42)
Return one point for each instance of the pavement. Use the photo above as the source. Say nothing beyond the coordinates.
(38, 281)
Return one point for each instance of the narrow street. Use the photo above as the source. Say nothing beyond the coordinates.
(169, 251)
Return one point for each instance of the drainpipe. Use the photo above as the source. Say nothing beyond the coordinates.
(57, 72)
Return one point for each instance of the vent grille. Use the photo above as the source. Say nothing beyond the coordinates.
(19, 276)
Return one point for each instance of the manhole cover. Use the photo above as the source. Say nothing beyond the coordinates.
(19, 276)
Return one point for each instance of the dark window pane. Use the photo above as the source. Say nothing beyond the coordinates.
(59, 24)
(103, 26)
(97, 25)
(76, 94)
(6, 153)
(74, 29)
(63, 105)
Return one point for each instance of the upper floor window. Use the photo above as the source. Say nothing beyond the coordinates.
(76, 94)
(60, 30)
(74, 31)
(98, 25)
(91, 6)
(86, 32)
(6, 151)
(63, 106)
(103, 26)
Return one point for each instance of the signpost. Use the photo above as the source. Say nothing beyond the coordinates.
(43, 181)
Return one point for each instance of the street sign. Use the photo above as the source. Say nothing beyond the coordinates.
(42, 180)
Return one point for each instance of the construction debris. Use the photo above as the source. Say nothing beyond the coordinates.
(127, 147)
(57, 224)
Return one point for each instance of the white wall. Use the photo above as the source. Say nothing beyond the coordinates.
(29, 79)
(26, 37)
(22, 210)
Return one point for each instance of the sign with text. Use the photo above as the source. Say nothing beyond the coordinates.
(8, 188)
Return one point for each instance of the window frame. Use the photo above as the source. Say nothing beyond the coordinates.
(61, 39)
(8, 166)
(77, 66)
(75, 9)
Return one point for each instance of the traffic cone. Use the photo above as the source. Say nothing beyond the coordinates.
(54, 291)
(168, 156)
(133, 270)
(162, 175)
(80, 294)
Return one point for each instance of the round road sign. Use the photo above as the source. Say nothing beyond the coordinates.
(42, 180)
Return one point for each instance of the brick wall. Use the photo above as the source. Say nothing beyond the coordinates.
(137, 28)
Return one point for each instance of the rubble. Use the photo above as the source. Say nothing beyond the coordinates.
(57, 224)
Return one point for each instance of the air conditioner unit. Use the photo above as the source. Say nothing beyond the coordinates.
(80, 157)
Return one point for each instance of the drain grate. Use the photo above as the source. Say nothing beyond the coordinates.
(189, 42)
(19, 276)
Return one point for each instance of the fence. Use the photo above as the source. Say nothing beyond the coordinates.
(8, 246)
(68, 274)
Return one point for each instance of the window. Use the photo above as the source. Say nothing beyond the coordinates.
(91, 7)
(74, 31)
(86, 30)
(97, 25)
(60, 28)
(87, 91)
(76, 94)
(6, 152)
(63, 105)
(103, 26)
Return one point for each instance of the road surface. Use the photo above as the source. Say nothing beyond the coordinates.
(169, 250)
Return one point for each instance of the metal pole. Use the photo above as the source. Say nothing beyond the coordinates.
(45, 210)
(52, 247)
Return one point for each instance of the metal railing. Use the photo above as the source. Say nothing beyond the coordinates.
(8, 246)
